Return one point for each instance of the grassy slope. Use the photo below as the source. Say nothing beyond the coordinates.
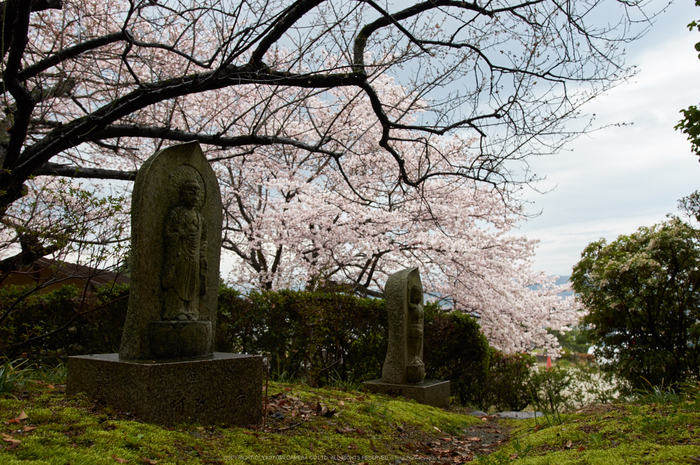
(623, 433)
(352, 427)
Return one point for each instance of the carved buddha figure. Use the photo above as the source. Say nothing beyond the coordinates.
(184, 264)
(414, 338)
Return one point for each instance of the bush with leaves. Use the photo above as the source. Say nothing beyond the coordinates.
(315, 336)
(506, 386)
(642, 293)
(330, 337)
(455, 349)
(65, 321)
(319, 337)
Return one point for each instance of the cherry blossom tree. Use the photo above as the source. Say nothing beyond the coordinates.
(293, 222)
(455, 96)
(85, 81)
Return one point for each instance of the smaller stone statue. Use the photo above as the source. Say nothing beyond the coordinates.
(185, 262)
(404, 303)
(403, 373)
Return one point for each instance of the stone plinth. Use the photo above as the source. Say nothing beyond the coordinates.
(218, 388)
(435, 393)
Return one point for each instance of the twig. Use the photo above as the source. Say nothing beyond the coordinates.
(294, 425)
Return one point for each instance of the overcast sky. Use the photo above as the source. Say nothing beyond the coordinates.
(615, 180)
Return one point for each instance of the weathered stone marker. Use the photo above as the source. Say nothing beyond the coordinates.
(403, 372)
(165, 370)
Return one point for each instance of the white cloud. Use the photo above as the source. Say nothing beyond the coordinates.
(620, 178)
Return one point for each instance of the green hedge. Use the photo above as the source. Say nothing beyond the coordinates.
(324, 338)
(45, 326)
(321, 338)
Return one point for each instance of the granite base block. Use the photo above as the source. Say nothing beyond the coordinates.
(435, 393)
(218, 388)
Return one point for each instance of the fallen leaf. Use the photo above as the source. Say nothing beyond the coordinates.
(537, 428)
(10, 439)
(437, 429)
(514, 456)
(580, 449)
(475, 439)
(27, 429)
(568, 444)
(148, 461)
(22, 416)
(120, 460)
(341, 404)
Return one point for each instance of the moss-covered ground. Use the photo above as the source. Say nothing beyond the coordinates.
(639, 432)
(40, 424)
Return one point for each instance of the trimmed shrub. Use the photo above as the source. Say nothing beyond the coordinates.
(455, 349)
(319, 337)
(61, 322)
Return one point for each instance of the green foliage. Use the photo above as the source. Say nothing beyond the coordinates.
(548, 388)
(338, 339)
(322, 338)
(455, 349)
(690, 124)
(505, 386)
(643, 296)
(315, 336)
(65, 321)
(576, 340)
(658, 394)
(12, 375)
(690, 205)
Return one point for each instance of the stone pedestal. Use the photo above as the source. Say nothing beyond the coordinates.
(217, 388)
(435, 393)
